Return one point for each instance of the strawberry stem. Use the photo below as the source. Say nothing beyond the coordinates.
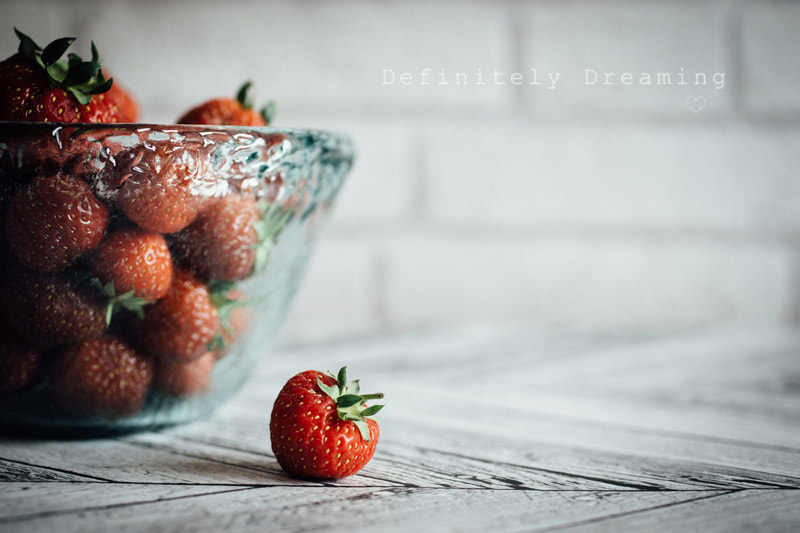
(350, 403)
(80, 78)
(114, 301)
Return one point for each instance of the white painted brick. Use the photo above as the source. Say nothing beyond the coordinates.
(338, 289)
(590, 177)
(43, 21)
(623, 37)
(304, 55)
(382, 186)
(771, 65)
(586, 283)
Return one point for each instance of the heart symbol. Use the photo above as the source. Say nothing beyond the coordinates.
(695, 103)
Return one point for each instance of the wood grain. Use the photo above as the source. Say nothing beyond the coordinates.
(486, 428)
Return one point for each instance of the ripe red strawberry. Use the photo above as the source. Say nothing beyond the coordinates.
(234, 316)
(102, 377)
(134, 264)
(320, 428)
(49, 309)
(221, 243)
(156, 189)
(127, 109)
(180, 325)
(52, 221)
(36, 85)
(230, 111)
(20, 363)
(184, 379)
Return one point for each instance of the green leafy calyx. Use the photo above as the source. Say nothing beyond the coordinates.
(350, 403)
(245, 99)
(115, 301)
(267, 229)
(80, 78)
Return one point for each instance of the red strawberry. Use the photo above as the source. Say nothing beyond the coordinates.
(37, 86)
(184, 379)
(102, 377)
(49, 309)
(230, 111)
(156, 187)
(134, 264)
(20, 363)
(319, 427)
(220, 243)
(180, 325)
(234, 316)
(52, 221)
(127, 107)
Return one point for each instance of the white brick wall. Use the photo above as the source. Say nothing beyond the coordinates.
(771, 68)
(619, 206)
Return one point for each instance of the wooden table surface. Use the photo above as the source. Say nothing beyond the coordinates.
(485, 429)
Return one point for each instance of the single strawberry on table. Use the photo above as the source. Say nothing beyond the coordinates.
(228, 111)
(37, 85)
(102, 377)
(321, 428)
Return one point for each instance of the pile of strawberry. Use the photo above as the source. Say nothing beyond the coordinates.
(110, 298)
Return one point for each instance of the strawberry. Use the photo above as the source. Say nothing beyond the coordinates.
(320, 428)
(184, 379)
(134, 267)
(228, 111)
(220, 243)
(156, 187)
(36, 85)
(127, 107)
(234, 315)
(52, 221)
(180, 325)
(49, 309)
(20, 363)
(102, 377)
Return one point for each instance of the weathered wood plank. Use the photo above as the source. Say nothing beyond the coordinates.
(120, 461)
(360, 509)
(31, 502)
(767, 511)
(485, 428)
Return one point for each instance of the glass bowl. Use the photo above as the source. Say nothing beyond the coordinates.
(145, 268)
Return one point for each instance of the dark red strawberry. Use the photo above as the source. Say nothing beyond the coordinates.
(320, 428)
(102, 377)
(221, 243)
(54, 220)
(20, 363)
(36, 85)
(127, 106)
(180, 325)
(50, 309)
(184, 379)
(156, 187)
(135, 262)
(228, 111)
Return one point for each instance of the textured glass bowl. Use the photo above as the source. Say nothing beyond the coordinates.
(131, 171)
